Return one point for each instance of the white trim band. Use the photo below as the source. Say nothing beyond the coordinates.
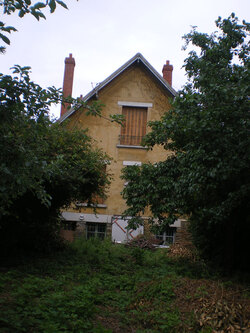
(70, 216)
(135, 104)
(128, 163)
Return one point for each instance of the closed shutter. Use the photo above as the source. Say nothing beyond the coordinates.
(135, 125)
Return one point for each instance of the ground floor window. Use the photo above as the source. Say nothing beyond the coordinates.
(68, 225)
(95, 230)
(167, 237)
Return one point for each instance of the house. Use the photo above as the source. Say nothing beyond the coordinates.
(137, 91)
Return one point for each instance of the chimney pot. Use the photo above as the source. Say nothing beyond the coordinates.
(167, 72)
(70, 60)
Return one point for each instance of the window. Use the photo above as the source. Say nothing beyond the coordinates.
(68, 225)
(134, 128)
(95, 230)
(167, 237)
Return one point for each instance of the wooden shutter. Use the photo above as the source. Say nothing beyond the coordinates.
(135, 125)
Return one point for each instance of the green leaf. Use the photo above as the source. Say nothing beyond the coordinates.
(21, 13)
(5, 39)
(38, 5)
(42, 15)
(8, 29)
(62, 4)
(52, 5)
(2, 49)
(37, 14)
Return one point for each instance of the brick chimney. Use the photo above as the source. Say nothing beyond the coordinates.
(68, 81)
(167, 72)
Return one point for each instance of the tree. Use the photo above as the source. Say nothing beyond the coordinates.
(43, 165)
(24, 7)
(207, 177)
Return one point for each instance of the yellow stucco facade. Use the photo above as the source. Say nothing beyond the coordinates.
(135, 85)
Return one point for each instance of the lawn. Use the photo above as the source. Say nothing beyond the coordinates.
(94, 286)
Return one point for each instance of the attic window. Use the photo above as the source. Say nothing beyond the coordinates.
(134, 128)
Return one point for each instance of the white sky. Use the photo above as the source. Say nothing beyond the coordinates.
(103, 34)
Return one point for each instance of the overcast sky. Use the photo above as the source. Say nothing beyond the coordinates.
(103, 34)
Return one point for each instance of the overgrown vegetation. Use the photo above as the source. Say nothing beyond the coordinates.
(207, 176)
(43, 165)
(95, 286)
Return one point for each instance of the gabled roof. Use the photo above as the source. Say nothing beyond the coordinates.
(137, 58)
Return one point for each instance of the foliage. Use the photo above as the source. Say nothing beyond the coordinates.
(24, 7)
(94, 109)
(95, 286)
(43, 165)
(65, 293)
(207, 177)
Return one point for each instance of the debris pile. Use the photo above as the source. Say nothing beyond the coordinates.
(179, 251)
(223, 317)
(217, 308)
(143, 242)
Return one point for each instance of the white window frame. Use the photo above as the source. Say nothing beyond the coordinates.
(165, 236)
(133, 104)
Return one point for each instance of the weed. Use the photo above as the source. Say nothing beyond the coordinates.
(138, 255)
(99, 287)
